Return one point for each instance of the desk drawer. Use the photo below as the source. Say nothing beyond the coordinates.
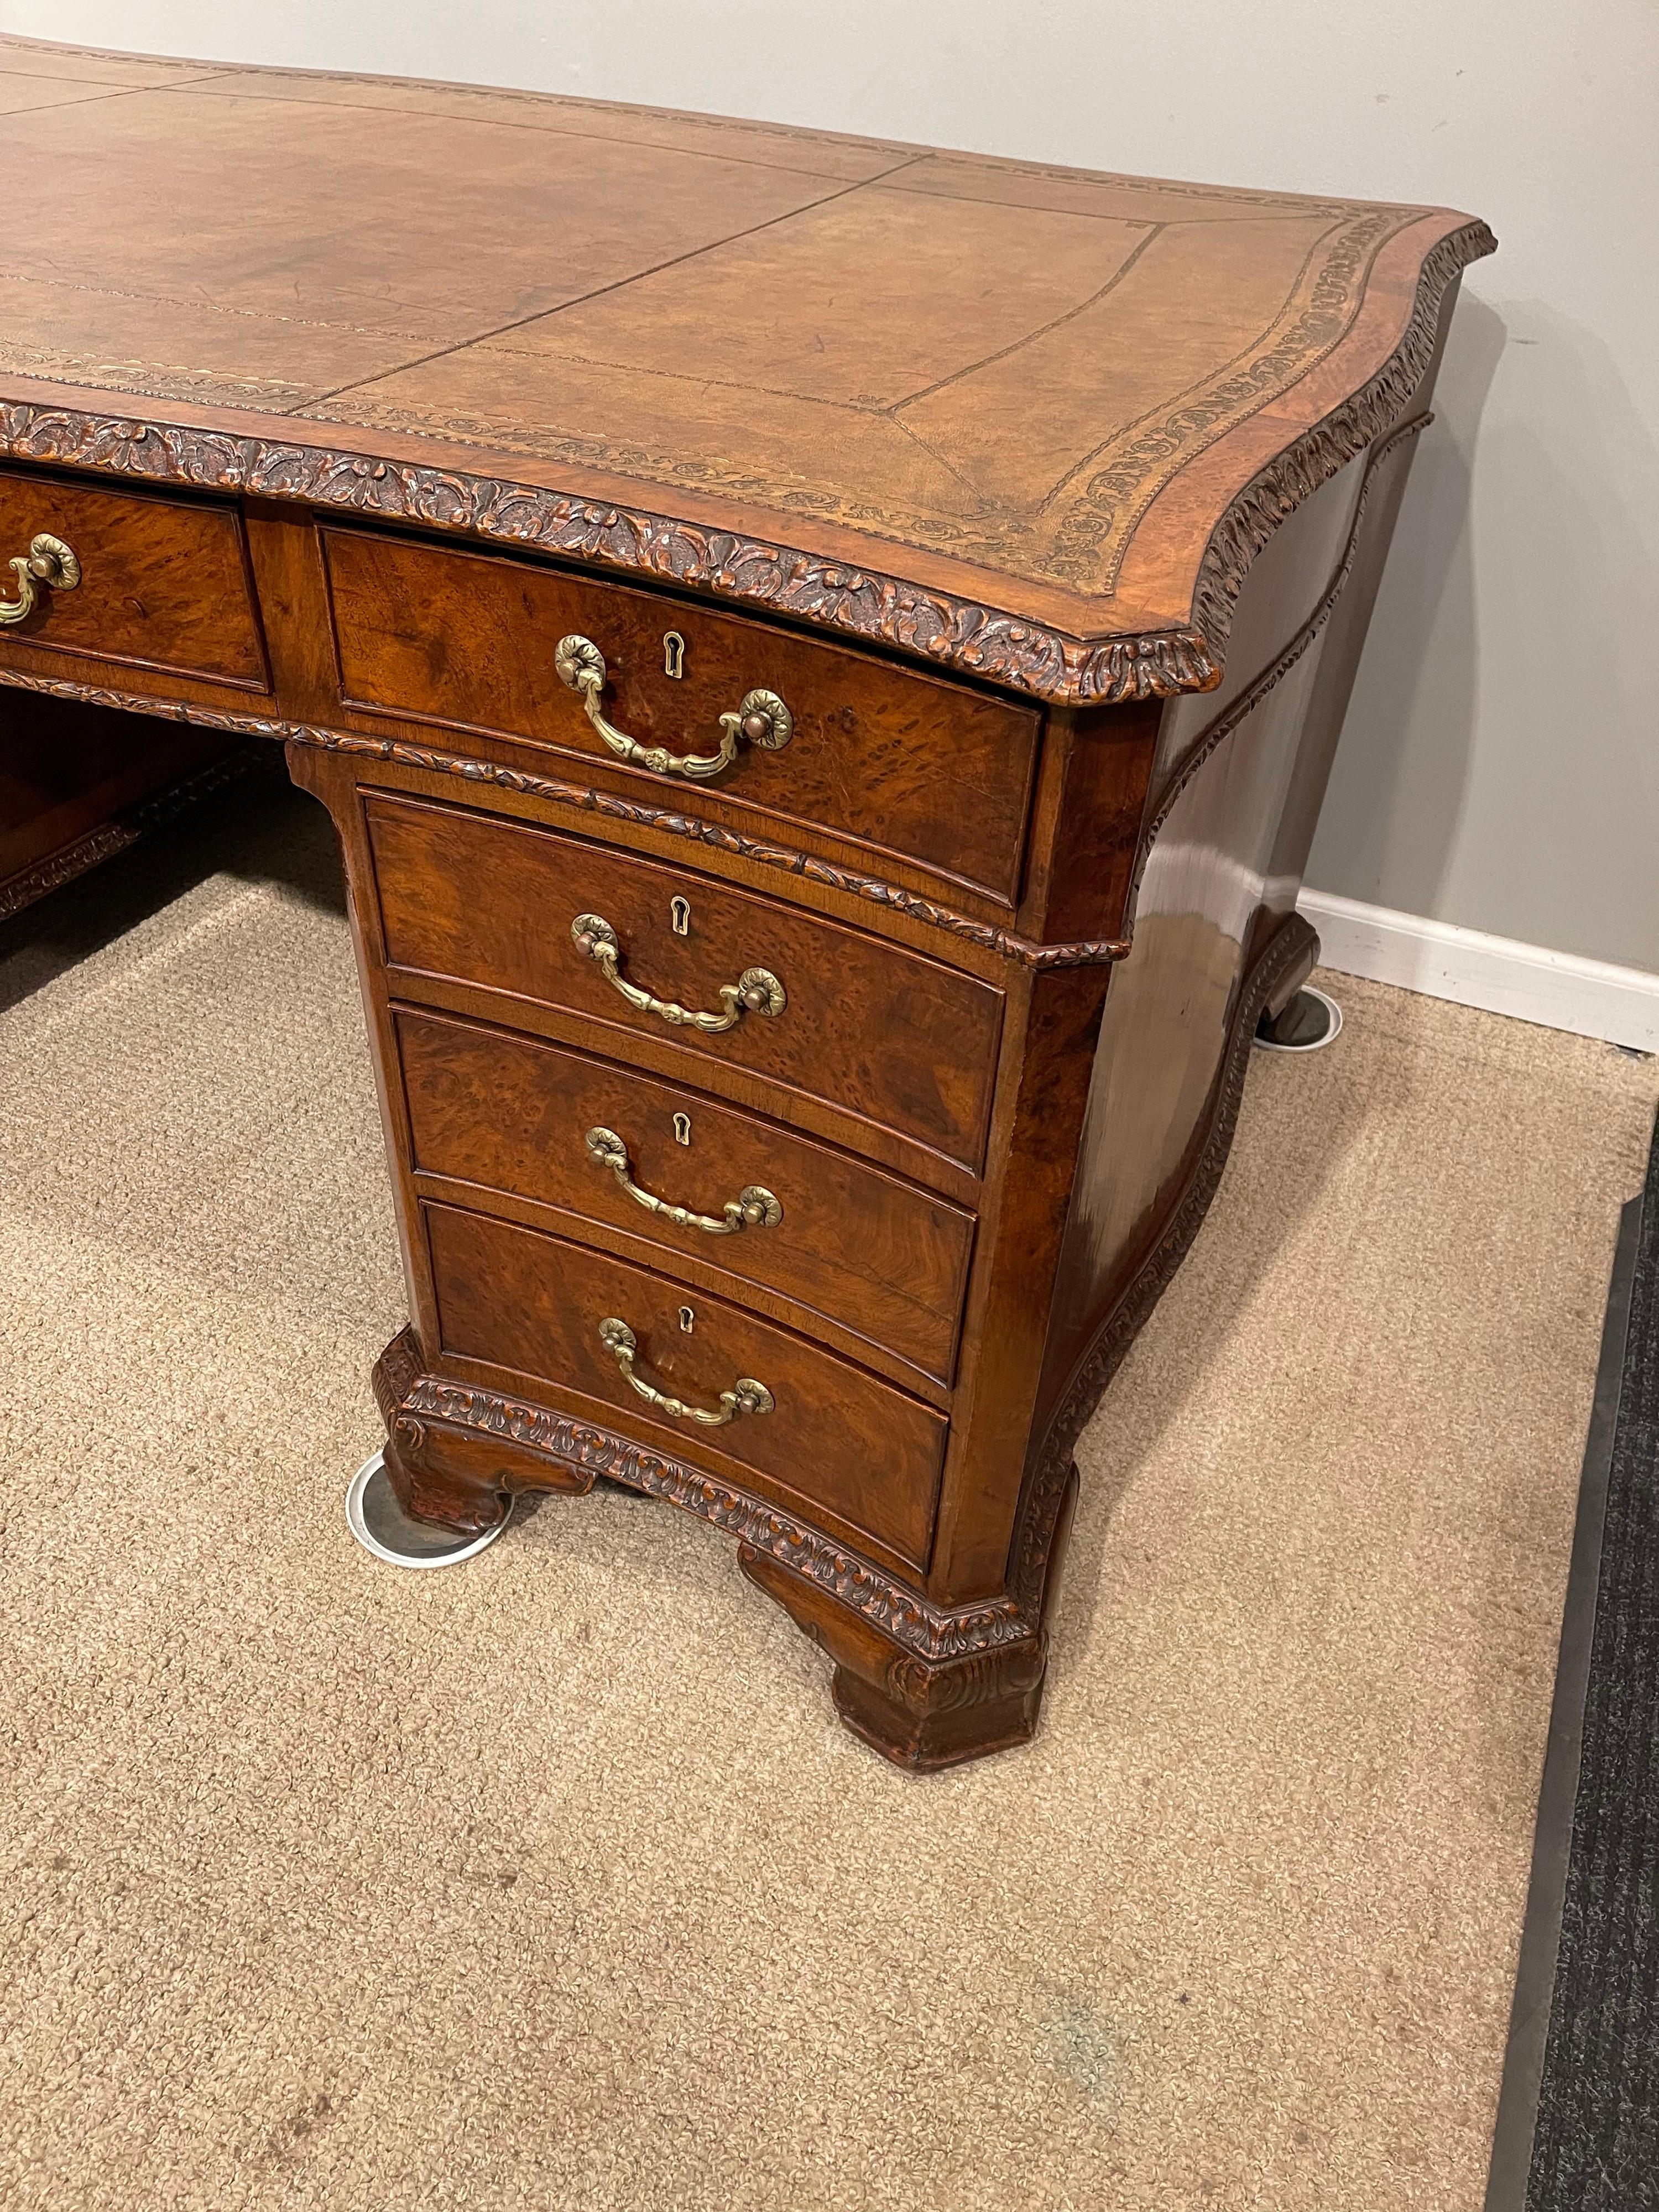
(883, 1259)
(866, 1026)
(834, 1437)
(890, 759)
(164, 584)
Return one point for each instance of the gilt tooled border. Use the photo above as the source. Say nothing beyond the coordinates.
(932, 1633)
(1294, 474)
(1078, 953)
(978, 640)
(1102, 1357)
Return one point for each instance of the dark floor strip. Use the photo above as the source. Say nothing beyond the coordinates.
(1578, 2119)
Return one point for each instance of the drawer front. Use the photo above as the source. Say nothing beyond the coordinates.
(164, 583)
(866, 1026)
(898, 762)
(883, 1259)
(834, 1437)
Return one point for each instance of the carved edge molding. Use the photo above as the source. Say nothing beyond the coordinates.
(930, 1633)
(125, 828)
(978, 640)
(1239, 709)
(1086, 953)
(1046, 1484)
(1294, 474)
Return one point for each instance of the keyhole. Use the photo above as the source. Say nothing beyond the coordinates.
(682, 1129)
(688, 1320)
(679, 911)
(673, 653)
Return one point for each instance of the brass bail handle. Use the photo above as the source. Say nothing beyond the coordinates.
(761, 719)
(754, 1206)
(48, 562)
(745, 1395)
(757, 991)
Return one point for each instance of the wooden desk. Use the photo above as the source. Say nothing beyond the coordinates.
(824, 657)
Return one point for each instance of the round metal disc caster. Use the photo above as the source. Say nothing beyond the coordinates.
(380, 1525)
(1310, 1022)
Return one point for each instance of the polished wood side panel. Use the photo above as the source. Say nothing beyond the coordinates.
(838, 1438)
(164, 584)
(885, 1259)
(1221, 876)
(896, 762)
(1084, 866)
(886, 1036)
(1040, 1116)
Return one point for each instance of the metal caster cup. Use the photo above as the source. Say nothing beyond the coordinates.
(1308, 1024)
(380, 1525)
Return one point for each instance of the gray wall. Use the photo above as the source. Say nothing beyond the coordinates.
(1498, 769)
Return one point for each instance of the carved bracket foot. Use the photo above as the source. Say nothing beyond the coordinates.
(453, 1476)
(927, 1685)
(919, 1712)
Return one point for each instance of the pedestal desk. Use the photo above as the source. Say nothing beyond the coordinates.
(824, 657)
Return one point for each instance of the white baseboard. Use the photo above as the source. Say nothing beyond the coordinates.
(1558, 990)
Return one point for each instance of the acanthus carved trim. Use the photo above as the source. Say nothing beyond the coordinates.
(835, 595)
(932, 1633)
(978, 640)
(1101, 1359)
(1272, 495)
(1009, 1673)
(1025, 951)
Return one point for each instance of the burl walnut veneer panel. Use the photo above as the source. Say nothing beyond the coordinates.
(871, 1028)
(824, 657)
(883, 1263)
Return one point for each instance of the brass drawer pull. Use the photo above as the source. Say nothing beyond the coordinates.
(761, 718)
(48, 562)
(745, 1395)
(754, 1206)
(757, 991)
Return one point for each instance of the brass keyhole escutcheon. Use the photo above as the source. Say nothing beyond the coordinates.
(679, 914)
(760, 717)
(682, 1129)
(688, 1320)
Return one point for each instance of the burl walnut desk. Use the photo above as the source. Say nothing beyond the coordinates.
(824, 659)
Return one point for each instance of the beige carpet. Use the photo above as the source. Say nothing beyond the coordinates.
(552, 1881)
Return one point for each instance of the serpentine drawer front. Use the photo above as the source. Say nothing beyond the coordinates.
(878, 1258)
(732, 980)
(822, 1432)
(894, 760)
(160, 585)
(823, 657)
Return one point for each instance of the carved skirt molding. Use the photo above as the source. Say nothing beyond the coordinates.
(633, 812)
(912, 1679)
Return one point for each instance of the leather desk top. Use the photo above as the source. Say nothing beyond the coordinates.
(1032, 423)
